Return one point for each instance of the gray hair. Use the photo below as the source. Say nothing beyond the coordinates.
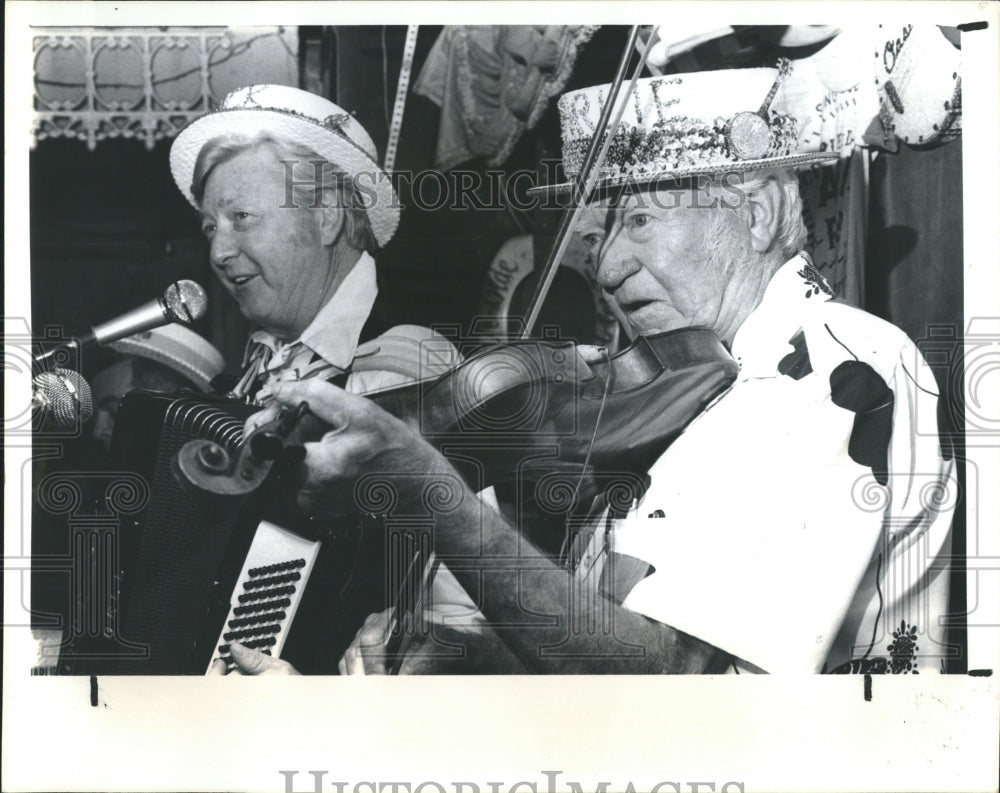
(308, 192)
(791, 236)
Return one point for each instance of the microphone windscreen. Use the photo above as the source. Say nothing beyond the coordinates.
(186, 301)
(67, 397)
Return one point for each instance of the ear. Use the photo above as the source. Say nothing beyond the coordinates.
(331, 218)
(763, 216)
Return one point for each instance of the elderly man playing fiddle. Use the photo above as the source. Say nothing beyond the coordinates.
(789, 528)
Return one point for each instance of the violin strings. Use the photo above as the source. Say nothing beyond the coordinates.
(597, 423)
(590, 445)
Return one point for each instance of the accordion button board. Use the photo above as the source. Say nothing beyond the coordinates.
(267, 593)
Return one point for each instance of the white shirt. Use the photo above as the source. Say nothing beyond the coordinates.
(782, 542)
(329, 345)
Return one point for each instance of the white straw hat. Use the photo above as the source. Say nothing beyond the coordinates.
(302, 118)
(178, 348)
(673, 127)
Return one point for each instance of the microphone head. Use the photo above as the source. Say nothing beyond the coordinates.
(185, 301)
(66, 396)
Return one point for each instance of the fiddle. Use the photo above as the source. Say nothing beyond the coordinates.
(526, 388)
(512, 402)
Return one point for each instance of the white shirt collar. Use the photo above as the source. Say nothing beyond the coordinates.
(763, 338)
(335, 330)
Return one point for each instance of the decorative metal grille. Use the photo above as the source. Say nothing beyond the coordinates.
(147, 83)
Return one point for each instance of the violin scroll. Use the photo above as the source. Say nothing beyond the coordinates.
(212, 470)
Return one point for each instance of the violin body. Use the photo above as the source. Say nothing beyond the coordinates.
(615, 414)
(512, 407)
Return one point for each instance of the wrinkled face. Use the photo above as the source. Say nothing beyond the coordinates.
(272, 260)
(660, 260)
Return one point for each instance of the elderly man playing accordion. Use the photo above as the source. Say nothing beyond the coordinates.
(789, 528)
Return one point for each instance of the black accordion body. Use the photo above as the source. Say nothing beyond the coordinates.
(182, 556)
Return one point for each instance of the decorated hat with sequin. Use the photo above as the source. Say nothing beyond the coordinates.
(684, 125)
(303, 118)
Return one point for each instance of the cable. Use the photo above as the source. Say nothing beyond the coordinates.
(878, 614)
(395, 125)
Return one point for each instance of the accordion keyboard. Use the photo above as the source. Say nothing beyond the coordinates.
(268, 592)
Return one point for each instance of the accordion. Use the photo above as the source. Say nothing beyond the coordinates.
(196, 574)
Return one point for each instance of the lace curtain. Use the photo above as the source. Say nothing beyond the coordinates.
(97, 84)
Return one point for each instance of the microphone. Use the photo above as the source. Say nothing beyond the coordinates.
(64, 395)
(183, 302)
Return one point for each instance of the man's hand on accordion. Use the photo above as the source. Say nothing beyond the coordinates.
(363, 442)
(252, 662)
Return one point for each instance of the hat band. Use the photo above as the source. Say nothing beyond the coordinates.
(332, 123)
(677, 144)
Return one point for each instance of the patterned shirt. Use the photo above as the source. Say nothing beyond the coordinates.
(802, 522)
(326, 348)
